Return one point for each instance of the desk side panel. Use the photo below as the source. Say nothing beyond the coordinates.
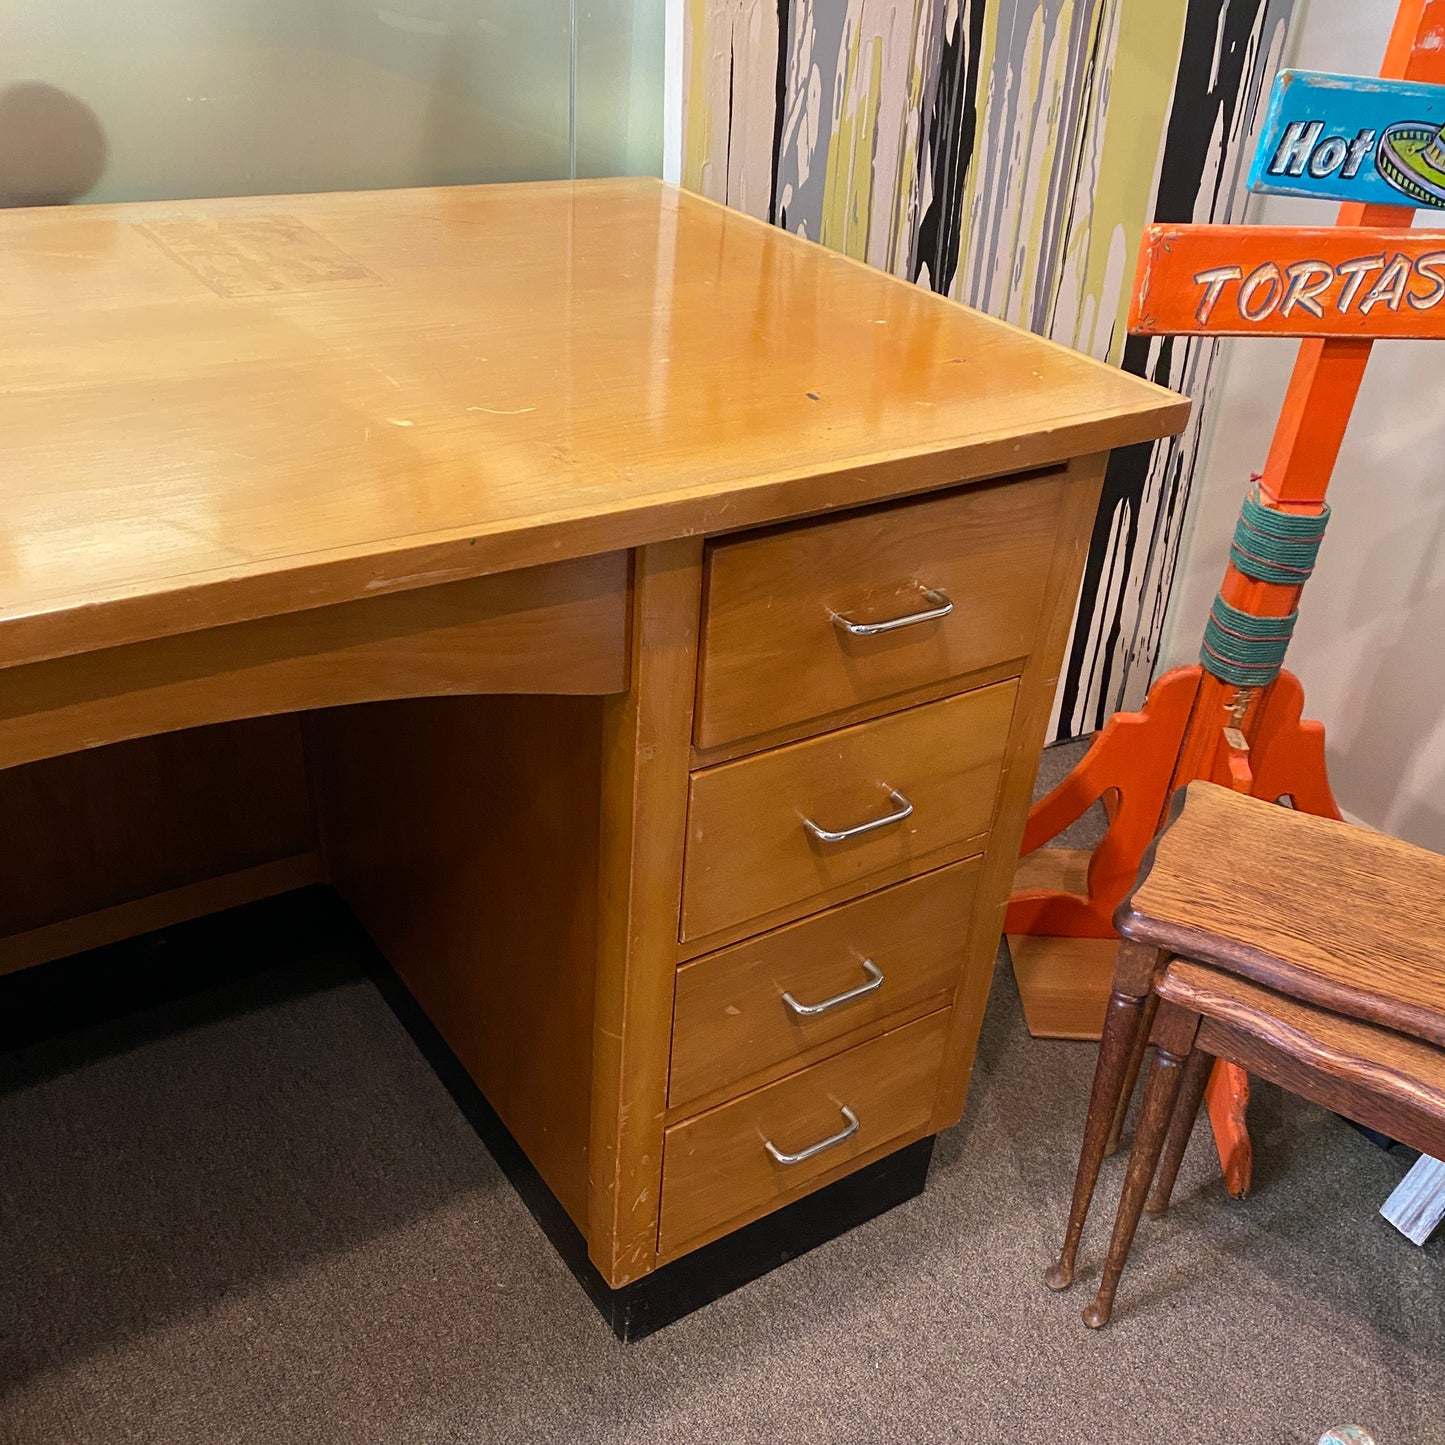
(646, 740)
(463, 833)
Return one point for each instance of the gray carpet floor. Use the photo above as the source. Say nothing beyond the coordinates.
(275, 1227)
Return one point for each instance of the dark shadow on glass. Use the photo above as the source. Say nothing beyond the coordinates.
(52, 149)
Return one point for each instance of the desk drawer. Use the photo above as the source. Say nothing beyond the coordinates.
(752, 855)
(732, 1017)
(772, 654)
(716, 1168)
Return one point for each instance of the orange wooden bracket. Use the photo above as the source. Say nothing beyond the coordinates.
(1226, 1096)
(1133, 757)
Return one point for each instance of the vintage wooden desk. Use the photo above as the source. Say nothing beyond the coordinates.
(647, 620)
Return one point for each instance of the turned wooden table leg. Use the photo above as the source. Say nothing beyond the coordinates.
(1123, 1023)
(1181, 1126)
(1174, 1032)
(1131, 1077)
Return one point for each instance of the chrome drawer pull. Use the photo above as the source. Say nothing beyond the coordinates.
(902, 809)
(875, 981)
(938, 606)
(822, 1144)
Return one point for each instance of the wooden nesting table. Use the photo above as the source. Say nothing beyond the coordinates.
(647, 620)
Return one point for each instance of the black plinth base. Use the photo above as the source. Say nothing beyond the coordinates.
(114, 997)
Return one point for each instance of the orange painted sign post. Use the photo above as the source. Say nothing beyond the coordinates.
(1284, 281)
(1236, 718)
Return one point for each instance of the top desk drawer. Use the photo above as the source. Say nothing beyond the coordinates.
(773, 654)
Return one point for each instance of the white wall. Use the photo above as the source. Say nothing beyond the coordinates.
(1370, 646)
(673, 81)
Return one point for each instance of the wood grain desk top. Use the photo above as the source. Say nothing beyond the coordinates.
(213, 411)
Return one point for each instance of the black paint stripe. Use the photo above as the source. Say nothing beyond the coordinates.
(952, 129)
(780, 104)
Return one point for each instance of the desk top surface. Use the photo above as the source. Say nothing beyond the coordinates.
(219, 410)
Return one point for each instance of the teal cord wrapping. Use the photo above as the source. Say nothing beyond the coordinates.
(1273, 546)
(1242, 649)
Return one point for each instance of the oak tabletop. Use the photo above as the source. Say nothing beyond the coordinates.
(224, 409)
(1332, 913)
(1418, 1069)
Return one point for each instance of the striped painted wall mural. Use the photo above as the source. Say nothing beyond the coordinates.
(1007, 153)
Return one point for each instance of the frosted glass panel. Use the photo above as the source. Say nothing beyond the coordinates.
(619, 87)
(139, 99)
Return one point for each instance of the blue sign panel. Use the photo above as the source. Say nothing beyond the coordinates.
(1347, 138)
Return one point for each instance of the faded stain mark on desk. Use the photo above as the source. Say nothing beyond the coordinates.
(257, 256)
